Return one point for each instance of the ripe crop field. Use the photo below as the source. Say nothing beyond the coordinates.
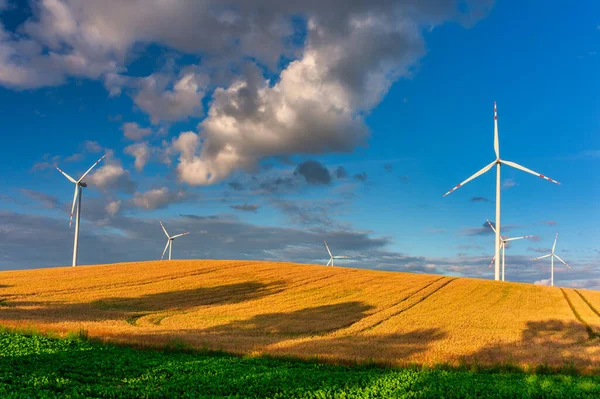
(337, 315)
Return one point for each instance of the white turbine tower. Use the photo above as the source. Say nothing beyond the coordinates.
(504, 240)
(499, 162)
(331, 257)
(552, 256)
(79, 184)
(170, 241)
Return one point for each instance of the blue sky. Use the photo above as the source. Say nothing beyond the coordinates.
(405, 110)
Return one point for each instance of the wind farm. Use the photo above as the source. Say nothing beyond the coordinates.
(298, 156)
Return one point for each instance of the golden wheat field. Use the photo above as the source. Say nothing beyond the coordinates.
(334, 314)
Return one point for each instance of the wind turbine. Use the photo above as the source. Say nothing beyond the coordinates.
(79, 184)
(170, 241)
(552, 256)
(503, 246)
(331, 257)
(499, 162)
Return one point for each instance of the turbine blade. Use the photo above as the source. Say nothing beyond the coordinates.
(554, 246)
(492, 262)
(517, 238)
(558, 257)
(182, 234)
(542, 257)
(66, 175)
(482, 171)
(496, 143)
(165, 230)
(524, 169)
(91, 167)
(491, 225)
(330, 261)
(74, 202)
(341, 257)
(165, 250)
(327, 246)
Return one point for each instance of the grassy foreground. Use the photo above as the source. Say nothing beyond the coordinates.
(35, 366)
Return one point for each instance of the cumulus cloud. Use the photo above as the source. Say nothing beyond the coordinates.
(113, 207)
(171, 104)
(313, 172)
(111, 176)
(133, 131)
(159, 198)
(345, 56)
(141, 152)
(341, 172)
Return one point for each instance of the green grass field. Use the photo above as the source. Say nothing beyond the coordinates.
(37, 366)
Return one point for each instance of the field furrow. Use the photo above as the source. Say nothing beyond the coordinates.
(583, 312)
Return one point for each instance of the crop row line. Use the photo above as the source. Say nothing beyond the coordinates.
(588, 328)
(412, 305)
(588, 303)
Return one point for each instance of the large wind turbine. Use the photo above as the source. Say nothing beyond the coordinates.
(552, 256)
(79, 184)
(170, 241)
(331, 257)
(503, 246)
(499, 162)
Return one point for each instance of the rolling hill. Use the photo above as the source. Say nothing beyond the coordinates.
(335, 314)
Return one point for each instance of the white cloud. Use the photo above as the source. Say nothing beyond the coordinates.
(113, 207)
(141, 152)
(133, 131)
(159, 198)
(353, 52)
(111, 176)
(164, 104)
(542, 282)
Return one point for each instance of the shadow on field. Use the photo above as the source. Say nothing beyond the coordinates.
(383, 348)
(315, 320)
(548, 342)
(126, 308)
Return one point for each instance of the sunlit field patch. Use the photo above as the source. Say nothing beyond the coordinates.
(332, 314)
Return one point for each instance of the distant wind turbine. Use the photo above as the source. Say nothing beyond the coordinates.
(552, 256)
(499, 162)
(170, 241)
(331, 257)
(504, 240)
(79, 184)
